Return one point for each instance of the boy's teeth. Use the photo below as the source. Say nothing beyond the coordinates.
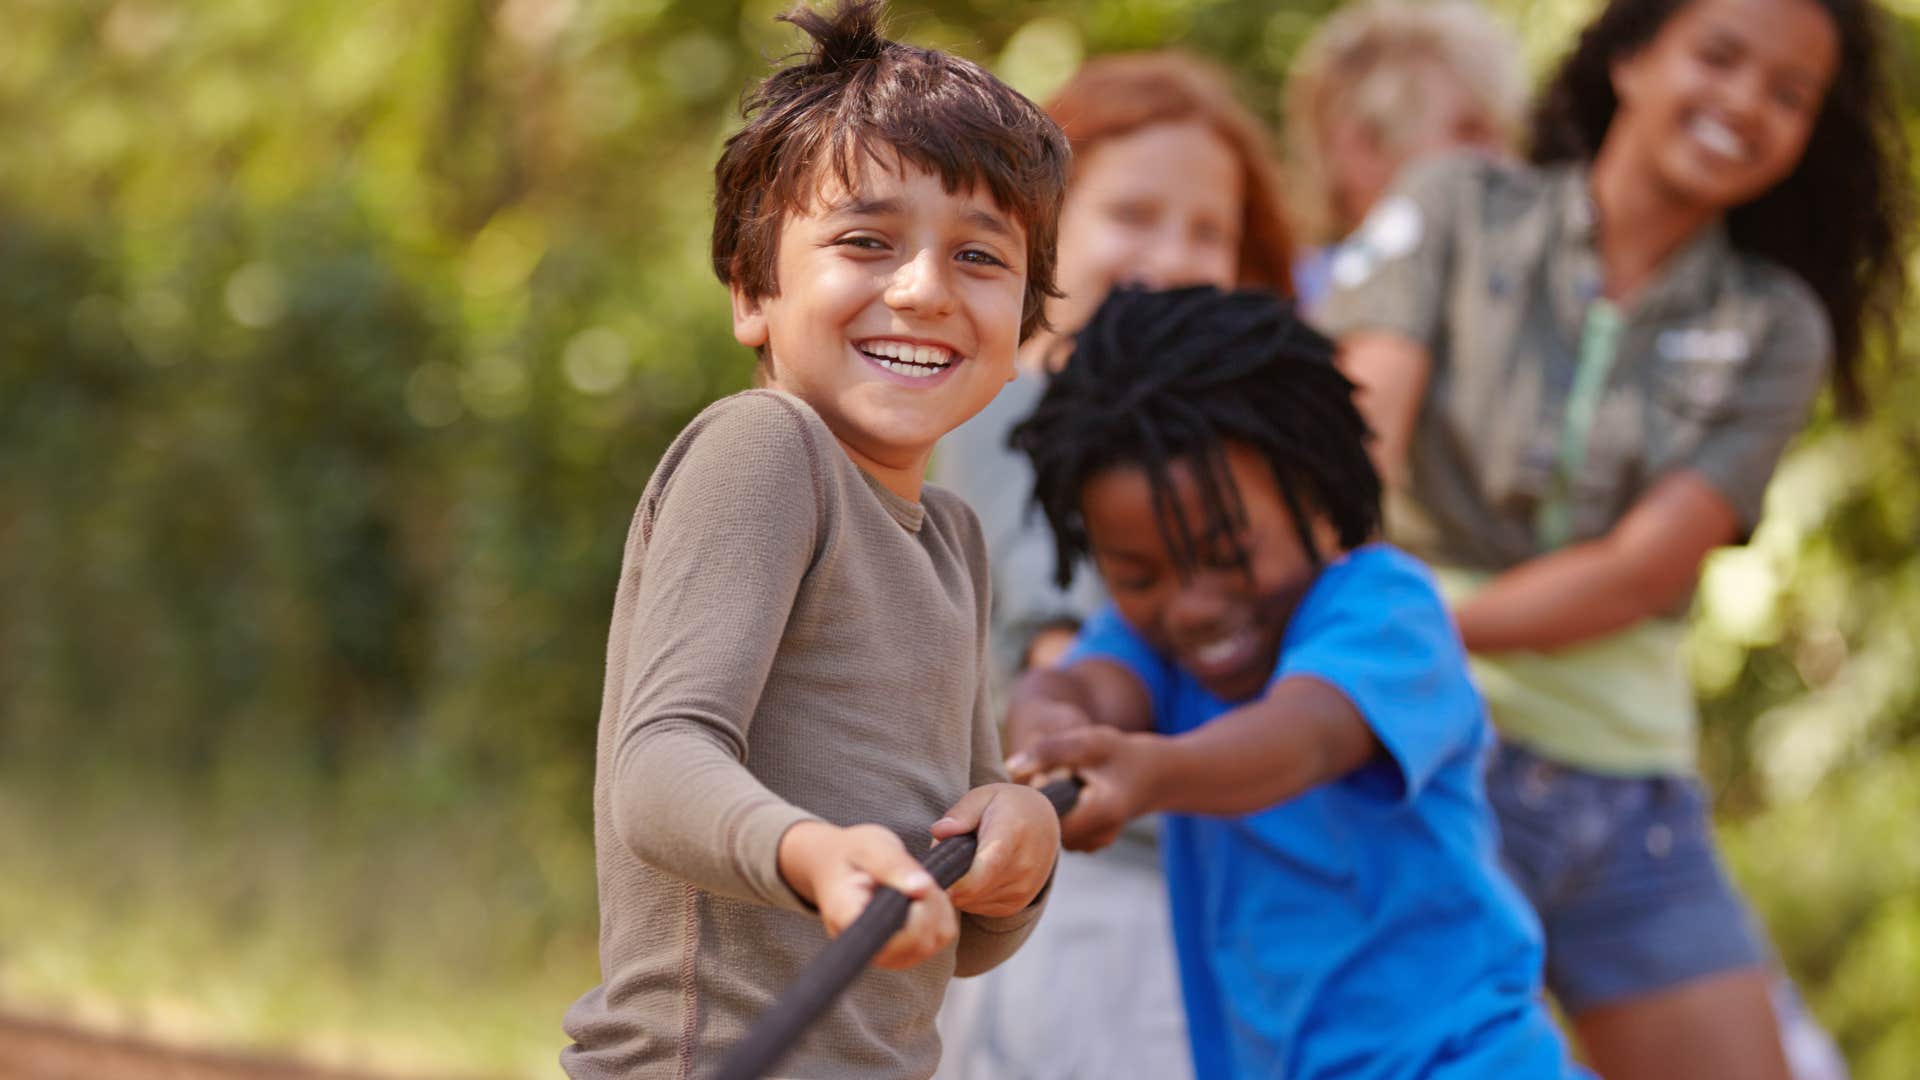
(1217, 651)
(911, 352)
(911, 371)
(905, 358)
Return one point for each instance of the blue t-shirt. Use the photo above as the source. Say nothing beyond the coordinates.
(1363, 928)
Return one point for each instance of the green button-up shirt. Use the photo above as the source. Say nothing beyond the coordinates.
(1711, 367)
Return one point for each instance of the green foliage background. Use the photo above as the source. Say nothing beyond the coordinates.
(337, 340)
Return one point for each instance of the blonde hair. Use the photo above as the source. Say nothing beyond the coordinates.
(1366, 62)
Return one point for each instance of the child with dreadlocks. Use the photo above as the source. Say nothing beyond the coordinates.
(1290, 695)
(797, 668)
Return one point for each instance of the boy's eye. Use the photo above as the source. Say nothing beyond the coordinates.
(1125, 575)
(1228, 557)
(1226, 561)
(863, 243)
(980, 258)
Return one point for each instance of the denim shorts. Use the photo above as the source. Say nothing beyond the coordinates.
(1624, 876)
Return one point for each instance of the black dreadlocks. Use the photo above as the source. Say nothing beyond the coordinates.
(1156, 377)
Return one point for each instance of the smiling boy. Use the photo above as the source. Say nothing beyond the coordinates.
(797, 664)
(1292, 696)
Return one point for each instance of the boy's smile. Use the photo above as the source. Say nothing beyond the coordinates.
(898, 312)
(1222, 620)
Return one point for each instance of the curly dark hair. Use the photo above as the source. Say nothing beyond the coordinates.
(1159, 377)
(856, 94)
(1840, 220)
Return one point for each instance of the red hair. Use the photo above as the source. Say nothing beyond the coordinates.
(1120, 94)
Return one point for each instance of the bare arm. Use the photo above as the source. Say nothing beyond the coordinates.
(1102, 691)
(1647, 564)
(1301, 734)
(1391, 371)
(1643, 567)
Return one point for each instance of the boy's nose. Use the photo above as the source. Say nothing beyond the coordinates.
(920, 284)
(1197, 608)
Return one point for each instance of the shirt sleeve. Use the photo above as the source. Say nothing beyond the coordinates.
(704, 599)
(1742, 445)
(1106, 636)
(1392, 273)
(1383, 638)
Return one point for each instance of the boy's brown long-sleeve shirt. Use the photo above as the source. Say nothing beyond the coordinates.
(790, 641)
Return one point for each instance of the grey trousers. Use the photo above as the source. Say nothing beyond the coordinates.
(1092, 994)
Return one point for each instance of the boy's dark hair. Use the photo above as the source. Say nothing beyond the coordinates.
(1156, 377)
(1839, 220)
(854, 94)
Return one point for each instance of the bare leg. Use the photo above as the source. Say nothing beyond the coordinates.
(1720, 1027)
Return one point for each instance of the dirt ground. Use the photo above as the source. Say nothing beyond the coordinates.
(40, 1050)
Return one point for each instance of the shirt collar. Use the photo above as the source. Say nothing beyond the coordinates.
(1690, 275)
(909, 514)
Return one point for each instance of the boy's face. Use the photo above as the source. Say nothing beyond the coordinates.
(898, 313)
(1221, 621)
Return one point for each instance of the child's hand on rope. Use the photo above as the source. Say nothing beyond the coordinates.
(837, 869)
(1028, 723)
(1118, 769)
(1019, 836)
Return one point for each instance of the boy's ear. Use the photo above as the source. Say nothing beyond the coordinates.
(749, 319)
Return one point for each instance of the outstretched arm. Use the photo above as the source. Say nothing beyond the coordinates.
(1300, 734)
(716, 556)
(1391, 371)
(714, 560)
(1649, 562)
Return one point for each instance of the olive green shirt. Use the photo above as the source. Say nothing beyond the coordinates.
(1711, 367)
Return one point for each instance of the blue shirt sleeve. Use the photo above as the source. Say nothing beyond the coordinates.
(1106, 636)
(1375, 628)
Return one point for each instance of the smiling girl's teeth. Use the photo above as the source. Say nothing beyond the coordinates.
(1718, 138)
(904, 358)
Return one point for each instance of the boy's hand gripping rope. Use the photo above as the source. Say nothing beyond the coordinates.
(846, 956)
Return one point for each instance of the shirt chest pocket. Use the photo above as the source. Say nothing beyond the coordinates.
(1697, 372)
(1696, 386)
